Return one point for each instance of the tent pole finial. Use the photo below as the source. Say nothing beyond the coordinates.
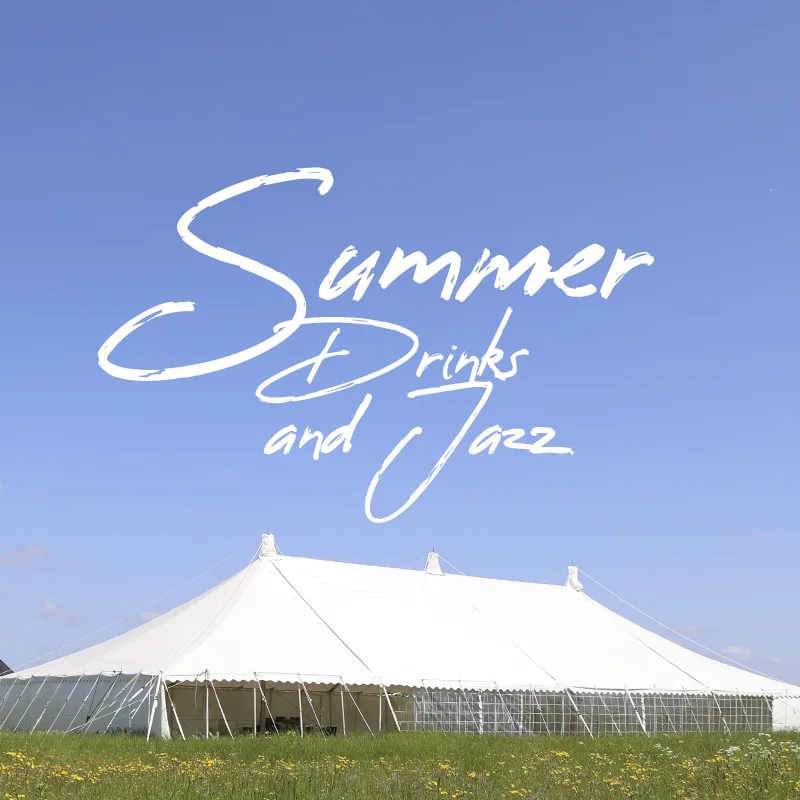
(432, 566)
(572, 579)
(268, 550)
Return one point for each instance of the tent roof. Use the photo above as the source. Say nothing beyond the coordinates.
(291, 619)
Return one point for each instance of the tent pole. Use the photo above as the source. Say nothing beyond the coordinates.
(508, 710)
(722, 716)
(105, 703)
(145, 691)
(10, 684)
(207, 704)
(264, 698)
(602, 700)
(689, 703)
(255, 712)
(129, 685)
(221, 710)
(341, 697)
(644, 710)
(175, 712)
(300, 706)
(666, 711)
(358, 709)
(30, 705)
(164, 731)
(47, 704)
(61, 710)
(572, 700)
(380, 711)
(94, 715)
(434, 707)
(744, 710)
(11, 711)
(636, 711)
(391, 708)
(72, 721)
(469, 705)
(541, 713)
(308, 697)
(153, 707)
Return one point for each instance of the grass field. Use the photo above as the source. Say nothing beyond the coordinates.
(412, 765)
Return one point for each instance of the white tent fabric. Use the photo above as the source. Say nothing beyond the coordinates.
(323, 622)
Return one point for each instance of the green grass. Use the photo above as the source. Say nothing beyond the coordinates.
(412, 765)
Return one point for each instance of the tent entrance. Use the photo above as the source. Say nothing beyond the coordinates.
(211, 708)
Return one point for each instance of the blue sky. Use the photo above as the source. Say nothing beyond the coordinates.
(446, 127)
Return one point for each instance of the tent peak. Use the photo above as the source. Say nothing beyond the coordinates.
(432, 564)
(572, 579)
(268, 550)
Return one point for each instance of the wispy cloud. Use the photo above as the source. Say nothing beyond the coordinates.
(737, 651)
(62, 615)
(24, 556)
(688, 630)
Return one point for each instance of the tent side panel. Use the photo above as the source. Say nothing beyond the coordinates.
(87, 703)
(588, 713)
(786, 713)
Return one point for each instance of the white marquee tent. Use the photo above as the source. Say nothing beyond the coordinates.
(305, 644)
